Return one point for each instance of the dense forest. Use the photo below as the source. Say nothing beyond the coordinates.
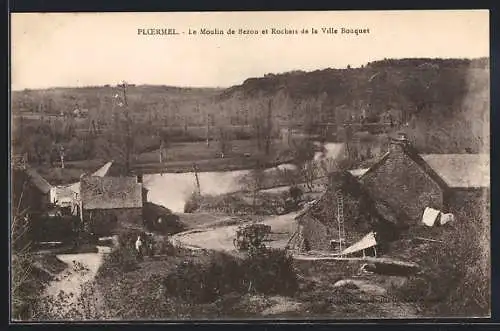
(433, 100)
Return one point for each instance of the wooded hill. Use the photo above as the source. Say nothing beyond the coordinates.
(436, 98)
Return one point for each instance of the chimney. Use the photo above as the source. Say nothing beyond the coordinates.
(399, 143)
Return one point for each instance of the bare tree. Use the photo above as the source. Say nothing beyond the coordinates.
(254, 181)
(21, 257)
(268, 133)
(257, 126)
(223, 137)
(309, 172)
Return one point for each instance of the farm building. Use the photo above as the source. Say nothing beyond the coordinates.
(317, 223)
(410, 182)
(106, 200)
(67, 196)
(392, 195)
(468, 179)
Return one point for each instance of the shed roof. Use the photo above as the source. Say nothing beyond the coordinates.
(110, 192)
(358, 172)
(41, 183)
(461, 170)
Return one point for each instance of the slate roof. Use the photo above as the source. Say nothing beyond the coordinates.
(412, 153)
(110, 192)
(461, 170)
(36, 179)
(447, 170)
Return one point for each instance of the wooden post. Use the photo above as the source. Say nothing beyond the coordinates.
(61, 155)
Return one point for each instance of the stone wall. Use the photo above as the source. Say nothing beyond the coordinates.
(104, 221)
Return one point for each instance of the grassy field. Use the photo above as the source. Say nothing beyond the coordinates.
(179, 158)
(191, 151)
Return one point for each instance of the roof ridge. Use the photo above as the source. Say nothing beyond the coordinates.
(34, 174)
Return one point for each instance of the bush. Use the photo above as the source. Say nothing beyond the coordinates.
(264, 271)
(271, 271)
(455, 280)
(121, 259)
(226, 203)
(192, 204)
(161, 220)
(127, 238)
(165, 247)
(237, 204)
(198, 283)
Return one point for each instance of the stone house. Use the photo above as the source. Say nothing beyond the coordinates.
(410, 182)
(392, 195)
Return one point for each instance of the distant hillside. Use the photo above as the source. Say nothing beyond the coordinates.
(408, 84)
(99, 100)
(434, 96)
(433, 100)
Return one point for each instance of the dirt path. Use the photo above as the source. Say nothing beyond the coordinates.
(81, 268)
(221, 238)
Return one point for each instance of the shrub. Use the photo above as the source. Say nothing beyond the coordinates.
(264, 271)
(271, 271)
(165, 247)
(161, 220)
(198, 283)
(121, 259)
(455, 280)
(127, 238)
(192, 203)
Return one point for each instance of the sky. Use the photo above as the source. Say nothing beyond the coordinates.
(88, 49)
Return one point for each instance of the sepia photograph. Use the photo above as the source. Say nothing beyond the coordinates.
(226, 166)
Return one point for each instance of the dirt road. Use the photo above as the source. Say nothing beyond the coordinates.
(81, 269)
(221, 238)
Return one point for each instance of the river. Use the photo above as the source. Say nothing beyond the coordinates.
(172, 190)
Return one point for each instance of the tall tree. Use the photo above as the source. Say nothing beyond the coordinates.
(268, 128)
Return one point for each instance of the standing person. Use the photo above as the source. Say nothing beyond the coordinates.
(139, 248)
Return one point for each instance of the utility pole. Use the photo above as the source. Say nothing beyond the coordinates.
(269, 127)
(128, 140)
(208, 129)
(195, 170)
(161, 150)
(61, 155)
